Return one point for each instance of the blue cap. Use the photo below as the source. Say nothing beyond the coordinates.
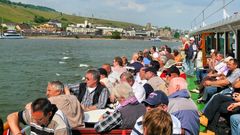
(151, 69)
(137, 66)
(156, 98)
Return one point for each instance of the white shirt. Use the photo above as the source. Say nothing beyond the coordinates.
(139, 92)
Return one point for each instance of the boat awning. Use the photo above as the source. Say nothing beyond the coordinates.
(228, 24)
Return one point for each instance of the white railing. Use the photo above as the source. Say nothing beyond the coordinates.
(212, 10)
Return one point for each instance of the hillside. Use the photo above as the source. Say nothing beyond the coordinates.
(21, 14)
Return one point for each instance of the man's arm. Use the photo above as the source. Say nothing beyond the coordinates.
(236, 84)
(89, 108)
(218, 83)
(13, 122)
(109, 122)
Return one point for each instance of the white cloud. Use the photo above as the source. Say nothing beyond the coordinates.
(126, 5)
(134, 6)
(179, 11)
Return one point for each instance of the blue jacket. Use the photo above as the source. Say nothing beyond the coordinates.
(182, 106)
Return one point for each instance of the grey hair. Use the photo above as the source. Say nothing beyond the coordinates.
(57, 85)
(123, 89)
(164, 59)
(128, 75)
(95, 73)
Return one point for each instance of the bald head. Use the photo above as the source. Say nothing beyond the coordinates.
(176, 84)
(107, 67)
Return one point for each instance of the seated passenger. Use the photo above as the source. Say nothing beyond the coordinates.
(92, 94)
(138, 89)
(44, 118)
(157, 100)
(182, 106)
(222, 84)
(157, 122)
(68, 104)
(128, 111)
(154, 81)
(222, 105)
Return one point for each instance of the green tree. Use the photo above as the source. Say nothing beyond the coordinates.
(40, 19)
(116, 35)
(168, 28)
(176, 35)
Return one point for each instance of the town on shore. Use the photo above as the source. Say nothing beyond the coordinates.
(88, 30)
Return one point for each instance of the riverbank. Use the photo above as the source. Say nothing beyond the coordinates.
(92, 38)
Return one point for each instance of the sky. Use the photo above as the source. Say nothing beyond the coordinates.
(177, 14)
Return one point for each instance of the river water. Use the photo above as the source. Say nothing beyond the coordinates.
(27, 65)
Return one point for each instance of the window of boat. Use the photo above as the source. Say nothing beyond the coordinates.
(221, 43)
(231, 45)
(210, 44)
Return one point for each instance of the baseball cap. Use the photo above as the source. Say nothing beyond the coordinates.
(228, 58)
(151, 69)
(156, 98)
(191, 38)
(173, 69)
(137, 66)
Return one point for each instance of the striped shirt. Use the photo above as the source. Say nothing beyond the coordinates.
(88, 96)
(102, 100)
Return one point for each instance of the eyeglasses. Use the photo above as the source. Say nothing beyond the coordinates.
(87, 79)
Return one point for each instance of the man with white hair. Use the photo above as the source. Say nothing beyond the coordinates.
(181, 106)
(126, 114)
(68, 104)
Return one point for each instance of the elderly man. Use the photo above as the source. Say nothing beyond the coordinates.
(138, 89)
(68, 104)
(92, 94)
(223, 83)
(155, 81)
(44, 118)
(181, 106)
(156, 100)
(126, 114)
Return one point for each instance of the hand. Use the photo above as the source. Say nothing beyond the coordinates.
(207, 83)
(231, 107)
(66, 90)
(83, 107)
(101, 118)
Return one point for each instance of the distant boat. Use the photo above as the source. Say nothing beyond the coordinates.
(157, 39)
(11, 35)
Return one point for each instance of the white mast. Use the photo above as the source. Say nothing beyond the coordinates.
(225, 14)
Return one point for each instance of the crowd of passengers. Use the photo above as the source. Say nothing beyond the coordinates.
(148, 94)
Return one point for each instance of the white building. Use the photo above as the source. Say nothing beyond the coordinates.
(86, 24)
(108, 30)
(75, 29)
